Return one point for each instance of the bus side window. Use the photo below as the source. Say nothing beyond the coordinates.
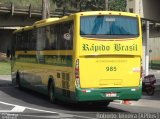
(26, 41)
(55, 36)
(33, 39)
(52, 37)
(41, 39)
(66, 36)
(18, 41)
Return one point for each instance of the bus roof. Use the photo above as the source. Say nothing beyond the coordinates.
(38, 23)
(49, 21)
(46, 21)
(90, 13)
(23, 29)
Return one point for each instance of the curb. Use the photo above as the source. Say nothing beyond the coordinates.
(6, 85)
(118, 101)
(157, 87)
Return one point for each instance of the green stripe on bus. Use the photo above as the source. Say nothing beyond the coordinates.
(58, 60)
(100, 94)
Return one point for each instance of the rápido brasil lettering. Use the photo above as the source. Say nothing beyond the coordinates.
(119, 47)
(95, 48)
(115, 47)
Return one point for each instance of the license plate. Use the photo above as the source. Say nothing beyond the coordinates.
(111, 94)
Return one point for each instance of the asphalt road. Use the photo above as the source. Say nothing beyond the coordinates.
(26, 104)
(33, 104)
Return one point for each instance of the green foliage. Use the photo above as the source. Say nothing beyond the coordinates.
(5, 68)
(23, 3)
(85, 5)
(80, 4)
(67, 4)
(35, 4)
(93, 5)
(117, 5)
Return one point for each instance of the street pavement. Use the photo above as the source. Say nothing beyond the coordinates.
(145, 101)
(5, 80)
(148, 101)
(157, 76)
(30, 105)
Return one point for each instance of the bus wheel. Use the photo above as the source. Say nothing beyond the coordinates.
(51, 92)
(18, 81)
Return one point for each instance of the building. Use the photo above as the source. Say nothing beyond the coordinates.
(149, 11)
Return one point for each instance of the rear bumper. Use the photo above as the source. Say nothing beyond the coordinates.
(99, 94)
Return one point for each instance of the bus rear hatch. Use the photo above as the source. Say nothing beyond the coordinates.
(109, 72)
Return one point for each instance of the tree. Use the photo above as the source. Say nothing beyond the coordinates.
(106, 5)
(61, 3)
(81, 4)
(86, 5)
(117, 5)
(93, 5)
(46, 9)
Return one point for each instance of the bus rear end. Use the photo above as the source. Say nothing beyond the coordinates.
(108, 57)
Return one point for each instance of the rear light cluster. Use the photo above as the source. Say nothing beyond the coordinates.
(77, 73)
(141, 73)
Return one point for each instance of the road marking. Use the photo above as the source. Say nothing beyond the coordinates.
(24, 107)
(44, 117)
(15, 109)
(20, 107)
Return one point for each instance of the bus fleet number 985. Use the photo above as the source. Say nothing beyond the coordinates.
(111, 68)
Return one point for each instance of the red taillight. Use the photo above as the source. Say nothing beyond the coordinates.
(77, 73)
(77, 69)
(84, 91)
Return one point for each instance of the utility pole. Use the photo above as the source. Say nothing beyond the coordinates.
(106, 4)
(45, 9)
(147, 49)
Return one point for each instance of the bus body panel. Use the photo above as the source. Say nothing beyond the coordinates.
(100, 94)
(110, 63)
(36, 75)
(112, 71)
(126, 46)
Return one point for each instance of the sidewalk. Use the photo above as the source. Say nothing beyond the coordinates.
(148, 101)
(5, 80)
(157, 75)
(155, 72)
(145, 101)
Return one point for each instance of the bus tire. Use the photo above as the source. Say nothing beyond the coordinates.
(51, 92)
(18, 81)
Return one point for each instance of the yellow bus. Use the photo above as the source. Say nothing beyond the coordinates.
(91, 56)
